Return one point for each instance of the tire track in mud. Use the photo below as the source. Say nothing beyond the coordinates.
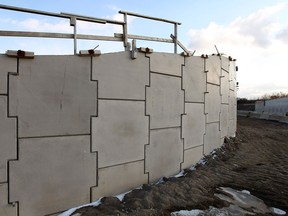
(257, 161)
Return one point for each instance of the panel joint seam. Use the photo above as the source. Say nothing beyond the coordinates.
(164, 74)
(119, 164)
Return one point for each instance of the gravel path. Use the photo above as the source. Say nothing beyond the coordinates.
(257, 161)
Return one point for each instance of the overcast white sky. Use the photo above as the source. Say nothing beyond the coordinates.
(255, 32)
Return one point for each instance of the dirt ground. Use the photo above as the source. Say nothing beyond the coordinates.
(257, 161)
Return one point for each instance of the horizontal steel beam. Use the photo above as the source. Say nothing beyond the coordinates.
(89, 18)
(26, 10)
(57, 35)
(61, 15)
(148, 38)
(148, 17)
(98, 37)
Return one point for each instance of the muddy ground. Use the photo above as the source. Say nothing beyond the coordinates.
(257, 161)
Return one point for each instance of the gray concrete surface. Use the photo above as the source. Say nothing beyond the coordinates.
(225, 63)
(193, 125)
(8, 140)
(165, 101)
(224, 87)
(212, 137)
(119, 179)
(5, 208)
(166, 63)
(194, 79)
(48, 96)
(120, 77)
(192, 156)
(98, 126)
(213, 69)
(165, 150)
(232, 75)
(120, 132)
(224, 120)
(8, 65)
(212, 103)
(52, 174)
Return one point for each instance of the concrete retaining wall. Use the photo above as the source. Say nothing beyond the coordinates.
(275, 109)
(73, 129)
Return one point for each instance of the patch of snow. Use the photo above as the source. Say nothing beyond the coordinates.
(202, 162)
(192, 168)
(72, 210)
(160, 181)
(180, 174)
(194, 212)
(121, 196)
(246, 192)
(227, 211)
(278, 211)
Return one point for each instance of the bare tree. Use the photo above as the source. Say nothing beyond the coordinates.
(273, 96)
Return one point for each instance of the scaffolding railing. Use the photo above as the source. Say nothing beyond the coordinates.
(118, 37)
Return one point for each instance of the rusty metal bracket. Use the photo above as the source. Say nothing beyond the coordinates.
(20, 54)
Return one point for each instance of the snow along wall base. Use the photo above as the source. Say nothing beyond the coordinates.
(74, 129)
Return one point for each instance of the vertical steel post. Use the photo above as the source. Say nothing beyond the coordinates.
(73, 22)
(125, 31)
(176, 38)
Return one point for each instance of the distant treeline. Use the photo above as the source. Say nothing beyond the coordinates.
(273, 96)
(245, 104)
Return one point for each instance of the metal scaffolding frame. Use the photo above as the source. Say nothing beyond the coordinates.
(124, 37)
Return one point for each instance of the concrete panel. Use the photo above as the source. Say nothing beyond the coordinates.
(5, 208)
(232, 127)
(224, 120)
(164, 154)
(232, 85)
(224, 87)
(275, 107)
(53, 95)
(213, 69)
(192, 156)
(120, 132)
(232, 75)
(225, 63)
(232, 70)
(6, 65)
(8, 142)
(119, 179)
(52, 174)
(232, 105)
(121, 77)
(260, 106)
(212, 138)
(222, 140)
(194, 79)
(167, 63)
(193, 125)
(212, 103)
(165, 101)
